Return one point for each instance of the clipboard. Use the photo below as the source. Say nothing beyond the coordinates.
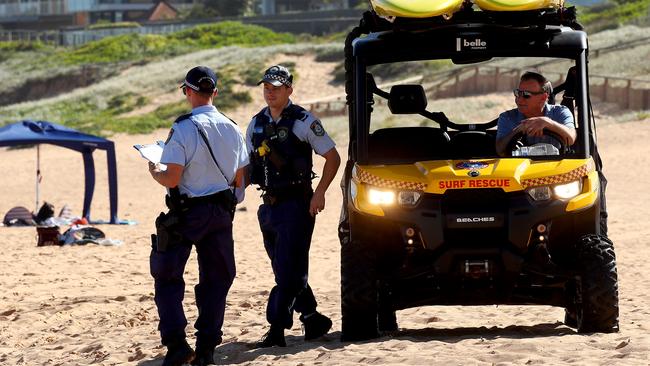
(151, 152)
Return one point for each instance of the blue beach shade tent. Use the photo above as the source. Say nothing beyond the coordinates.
(41, 132)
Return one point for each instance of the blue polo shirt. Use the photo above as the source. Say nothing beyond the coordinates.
(508, 120)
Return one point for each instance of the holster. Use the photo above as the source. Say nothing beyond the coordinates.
(229, 201)
(167, 236)
(176, 201)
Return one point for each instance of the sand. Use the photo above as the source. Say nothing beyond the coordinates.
(93, 305)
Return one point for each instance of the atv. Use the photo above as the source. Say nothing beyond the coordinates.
(432, 215)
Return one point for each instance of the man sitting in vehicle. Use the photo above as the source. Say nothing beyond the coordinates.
(533, 115)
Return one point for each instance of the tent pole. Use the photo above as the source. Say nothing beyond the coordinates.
(38, 174)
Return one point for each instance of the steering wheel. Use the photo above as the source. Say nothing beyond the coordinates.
(516, 140)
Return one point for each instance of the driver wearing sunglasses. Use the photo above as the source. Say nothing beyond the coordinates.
(533, 115)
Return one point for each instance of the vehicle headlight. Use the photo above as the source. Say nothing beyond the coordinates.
(568, 190)
(561, 191)
(381, 197)
(408, 198)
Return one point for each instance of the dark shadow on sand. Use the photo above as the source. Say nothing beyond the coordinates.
(242, 352)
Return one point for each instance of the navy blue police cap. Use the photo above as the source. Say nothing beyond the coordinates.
(201, 79)
(277, 75)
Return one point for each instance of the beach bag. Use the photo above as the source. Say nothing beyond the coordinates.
(45, 212)
(19, 216)
(47, 235)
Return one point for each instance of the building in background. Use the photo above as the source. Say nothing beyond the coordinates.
(271, 7)
(51, 14)
(65, 22)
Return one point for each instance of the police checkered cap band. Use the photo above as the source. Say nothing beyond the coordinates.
(278, 78)
(277, 75)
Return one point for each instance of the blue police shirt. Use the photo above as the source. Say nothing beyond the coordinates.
(308, 130)
(508, 120)
(186, 147)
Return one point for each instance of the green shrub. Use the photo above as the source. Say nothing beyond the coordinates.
(251, 73)
(137, 47)
(228, 99)
(329, 55)
(20, 46)
(124, 103)
(228, 34)
(126, 47)
(9, 48)
(607, 17)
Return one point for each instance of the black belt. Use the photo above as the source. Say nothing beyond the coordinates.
(211, 198)
(296, 193)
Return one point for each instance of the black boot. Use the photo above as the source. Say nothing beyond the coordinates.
(178, 353)
(274, 337)
(316, 325)
(204, 357)
(205, 352)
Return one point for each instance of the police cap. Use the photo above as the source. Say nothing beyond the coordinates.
(277, 75)
(201, 79)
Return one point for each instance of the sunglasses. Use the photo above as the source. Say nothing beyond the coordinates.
(526, 94)
(183, 89)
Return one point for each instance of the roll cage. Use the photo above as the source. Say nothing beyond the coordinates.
(468, 38)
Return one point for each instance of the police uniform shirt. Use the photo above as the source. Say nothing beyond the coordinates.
(185, 147)
(308, 129)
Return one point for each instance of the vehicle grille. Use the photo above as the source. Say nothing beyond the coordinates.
(493, 202)
(474, 200)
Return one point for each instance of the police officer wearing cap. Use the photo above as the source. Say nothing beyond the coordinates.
(205, 156)
(281, 138)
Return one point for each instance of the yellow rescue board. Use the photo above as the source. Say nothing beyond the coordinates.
(416, 8)
(432, 8)
(518, 5)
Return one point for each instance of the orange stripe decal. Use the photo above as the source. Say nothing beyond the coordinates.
(575, 174)
(374, 180)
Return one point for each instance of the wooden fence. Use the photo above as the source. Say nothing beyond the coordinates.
(631, 94)
(627, 93)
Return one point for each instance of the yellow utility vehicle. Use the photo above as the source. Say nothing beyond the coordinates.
(432, 215)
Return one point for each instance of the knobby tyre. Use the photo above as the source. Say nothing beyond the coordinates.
(597, 309)
(358, 292)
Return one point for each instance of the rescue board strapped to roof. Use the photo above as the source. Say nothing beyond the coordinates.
(433, 8)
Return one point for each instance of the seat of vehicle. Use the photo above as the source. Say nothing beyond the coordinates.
(407, 144)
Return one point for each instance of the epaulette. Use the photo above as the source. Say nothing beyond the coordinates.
(295, 111)
(183, 117)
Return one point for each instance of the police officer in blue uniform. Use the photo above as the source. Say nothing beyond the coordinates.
(281, 138)
(205, 156)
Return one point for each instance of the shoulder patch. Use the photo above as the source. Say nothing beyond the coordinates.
(317, 128)
(169, 136)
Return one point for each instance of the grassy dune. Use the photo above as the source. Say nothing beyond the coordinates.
(146, 71)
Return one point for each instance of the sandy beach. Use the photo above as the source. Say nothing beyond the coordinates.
(93, 305)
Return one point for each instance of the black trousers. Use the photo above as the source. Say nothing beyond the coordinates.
(287, 228)
(209, 227)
